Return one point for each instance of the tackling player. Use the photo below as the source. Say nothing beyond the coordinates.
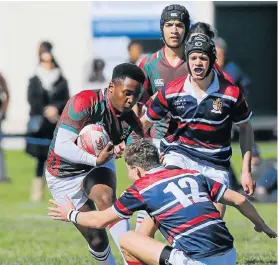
(69, 168)
(204, 106)
(181, 204)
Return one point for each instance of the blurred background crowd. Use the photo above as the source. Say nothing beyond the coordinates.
(50, 51)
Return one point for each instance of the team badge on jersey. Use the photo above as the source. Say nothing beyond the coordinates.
(217, 106)
(159, 82)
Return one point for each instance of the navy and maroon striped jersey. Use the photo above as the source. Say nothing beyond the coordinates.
(203, 123)
(181, 204)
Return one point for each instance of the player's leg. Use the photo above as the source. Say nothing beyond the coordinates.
(97, 238)
(98, 243)
(139, 249)
(100, 187)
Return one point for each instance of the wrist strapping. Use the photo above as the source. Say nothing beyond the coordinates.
(72, 216)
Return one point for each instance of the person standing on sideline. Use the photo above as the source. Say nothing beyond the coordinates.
(4, 102)
(48, 93)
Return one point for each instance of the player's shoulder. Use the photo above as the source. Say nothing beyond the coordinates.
(227, 88)
(150, 58)
(176, 85)
(86, 98)
(151, 180)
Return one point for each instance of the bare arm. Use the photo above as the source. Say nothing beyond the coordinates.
(246, 138)
(97, 219)
(247, 209)
(93, 219)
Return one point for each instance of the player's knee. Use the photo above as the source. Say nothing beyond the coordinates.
(104, 200)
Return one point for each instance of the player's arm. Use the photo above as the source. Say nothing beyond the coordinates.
(247, 209)
(129, 202)
(72, 120)
(93, 219)
(156, 108)
(241, 117)
(219, 193)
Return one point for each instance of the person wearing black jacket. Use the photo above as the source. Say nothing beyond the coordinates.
(48, 94)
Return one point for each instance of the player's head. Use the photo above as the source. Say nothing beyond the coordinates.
(174, 25)
(221, 50)
(140, 157)
(200, 56)
(200, 28)
(125, 86)
(135, 50)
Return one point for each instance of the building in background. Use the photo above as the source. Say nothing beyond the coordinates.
(103, 29)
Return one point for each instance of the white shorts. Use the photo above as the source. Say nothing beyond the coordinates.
(179, 160)
(71, 186)
(229, 258)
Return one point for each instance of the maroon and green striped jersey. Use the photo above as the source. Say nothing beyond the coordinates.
(90, 107)
(158, 74)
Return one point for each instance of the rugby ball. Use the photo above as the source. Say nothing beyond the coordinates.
(93, 138)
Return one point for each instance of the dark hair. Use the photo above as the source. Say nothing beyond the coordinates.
(98, 64)
(203, 28)
(46, 46)
(124, 70)
(132, 43)
(143, 154)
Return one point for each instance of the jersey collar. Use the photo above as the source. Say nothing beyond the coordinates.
(154, 170)
(214, 87)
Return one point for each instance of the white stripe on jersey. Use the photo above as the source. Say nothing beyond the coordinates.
(224, 96)
(201, 120)
(168, 205)
(164, 207)
(196, 228)
(220, 194)
(200, 149)
(148, 118)
(120, 214)
(247, 119)
(176, 95)
(167, 179)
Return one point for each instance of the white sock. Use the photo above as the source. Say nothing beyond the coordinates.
(140, 217)
(104, 258)
(116, 230)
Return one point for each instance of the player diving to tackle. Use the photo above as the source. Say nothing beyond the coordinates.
(69, 168)
(180, 202)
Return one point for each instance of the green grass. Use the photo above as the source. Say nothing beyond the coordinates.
(29, 237)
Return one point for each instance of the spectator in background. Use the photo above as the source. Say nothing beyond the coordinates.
(264, 171)
(96, 78)
(4, 102)
(238, 77)
(47, 95)
(135, 51)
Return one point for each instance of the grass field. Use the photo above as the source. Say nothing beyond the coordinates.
(29, 237)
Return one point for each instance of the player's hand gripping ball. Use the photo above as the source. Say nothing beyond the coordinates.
(93, 138)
